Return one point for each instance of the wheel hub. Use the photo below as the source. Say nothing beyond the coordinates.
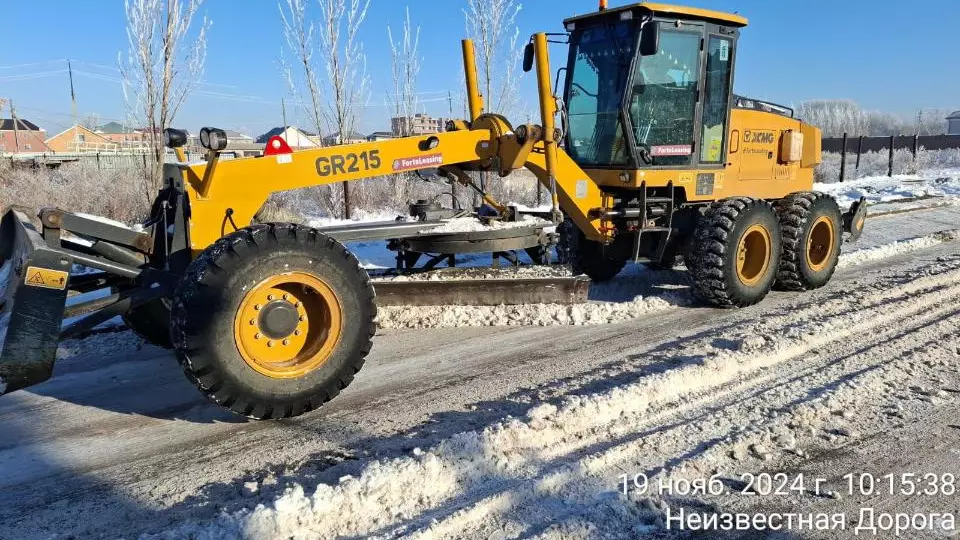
(288, 325)
(753, 255)
(820, 244)
(278, 319)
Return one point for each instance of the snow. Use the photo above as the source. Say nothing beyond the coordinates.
(472, 224)
(108, 221)
(897, 248)
(359, 216)
(878, 189)
(557, 463)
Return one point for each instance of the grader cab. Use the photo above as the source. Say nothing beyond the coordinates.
(646, 152)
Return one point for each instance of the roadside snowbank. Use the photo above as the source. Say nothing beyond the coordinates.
(879, 189)
(861, 256)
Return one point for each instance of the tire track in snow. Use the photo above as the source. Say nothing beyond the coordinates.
(470, 465)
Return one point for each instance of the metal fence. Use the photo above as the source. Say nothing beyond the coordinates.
(859, 145)
(101, 161)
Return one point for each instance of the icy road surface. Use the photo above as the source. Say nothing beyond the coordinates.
(519, 431)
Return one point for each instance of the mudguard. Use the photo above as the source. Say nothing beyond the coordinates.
(33, 292)
(854, 219)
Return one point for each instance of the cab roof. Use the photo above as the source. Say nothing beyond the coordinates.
(680, 12)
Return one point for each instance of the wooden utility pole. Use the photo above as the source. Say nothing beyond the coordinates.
(16, 128)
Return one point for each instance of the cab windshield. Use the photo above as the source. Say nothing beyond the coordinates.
(600, 58)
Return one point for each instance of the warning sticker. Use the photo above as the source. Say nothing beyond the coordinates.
(44, 277)
(418, 162)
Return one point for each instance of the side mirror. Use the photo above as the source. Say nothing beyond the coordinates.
(650, 39)
(528, 58)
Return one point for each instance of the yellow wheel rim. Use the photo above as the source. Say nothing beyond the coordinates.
(753, 254)
(820, 243)
(288, 325)
(860, 223)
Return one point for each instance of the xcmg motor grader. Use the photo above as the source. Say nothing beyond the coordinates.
(270, 320)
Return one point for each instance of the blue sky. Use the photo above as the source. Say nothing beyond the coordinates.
(876, 52)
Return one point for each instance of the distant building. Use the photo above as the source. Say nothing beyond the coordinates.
(380, 136)
(295, 137)
(27, 137)
(78, 138)
(334, 139)
(129, 138)
(418, 124)
(953, 123)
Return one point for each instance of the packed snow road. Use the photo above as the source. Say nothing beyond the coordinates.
(519, 431)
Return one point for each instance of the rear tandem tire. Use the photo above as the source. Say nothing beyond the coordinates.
(735, 252)
(812, 232)
(273, 320)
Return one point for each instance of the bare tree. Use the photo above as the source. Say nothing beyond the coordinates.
(333, 102)
(298, 33)
(492, 24)
(406, 69)
(160, 69)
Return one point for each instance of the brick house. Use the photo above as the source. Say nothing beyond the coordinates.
(28, 137)
(80, 139)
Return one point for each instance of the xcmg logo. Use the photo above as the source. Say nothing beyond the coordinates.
(759, 137)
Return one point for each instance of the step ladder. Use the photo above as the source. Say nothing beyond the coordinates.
(664, 231)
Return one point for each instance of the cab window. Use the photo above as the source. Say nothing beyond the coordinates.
(663, 101)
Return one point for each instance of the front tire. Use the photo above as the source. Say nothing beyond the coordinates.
(273, 320)
(812, 230)
(735, 252)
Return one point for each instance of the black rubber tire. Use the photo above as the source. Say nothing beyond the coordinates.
(595, 260)
(207, 299)
(151, 322)
(712, 256)
(797, 213)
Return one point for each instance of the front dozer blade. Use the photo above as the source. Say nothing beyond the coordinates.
(33, 291)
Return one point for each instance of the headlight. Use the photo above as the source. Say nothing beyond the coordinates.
(174, 138)
(213, 138)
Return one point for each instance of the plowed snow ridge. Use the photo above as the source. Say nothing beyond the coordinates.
(605, 312)
(539, 457)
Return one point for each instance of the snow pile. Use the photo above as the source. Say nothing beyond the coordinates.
(564, 455)
(879, 189)
(472, 224)
(359, 216)
(137, 227)
(483, 272)
(526, 314)
(897, 248)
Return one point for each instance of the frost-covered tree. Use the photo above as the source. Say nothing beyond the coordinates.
(336, 82)
(492, 24)
(835, 117)
(164, 63)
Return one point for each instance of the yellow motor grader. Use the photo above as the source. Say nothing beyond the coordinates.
(653, 157)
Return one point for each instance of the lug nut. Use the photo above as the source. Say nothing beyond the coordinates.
(286, 296)
(256, 336)
(269, 344)
(296, 332)
(256, 307)
(303, 318)
(270, 297)
(286, 342)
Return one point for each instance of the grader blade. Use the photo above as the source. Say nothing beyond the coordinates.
(33, 291)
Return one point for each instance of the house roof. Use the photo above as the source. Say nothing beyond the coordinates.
(955, 115)
(279, 130)
(114, 128)
(236, 134)
(78, 127)
(351, 135)
(6, 124)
